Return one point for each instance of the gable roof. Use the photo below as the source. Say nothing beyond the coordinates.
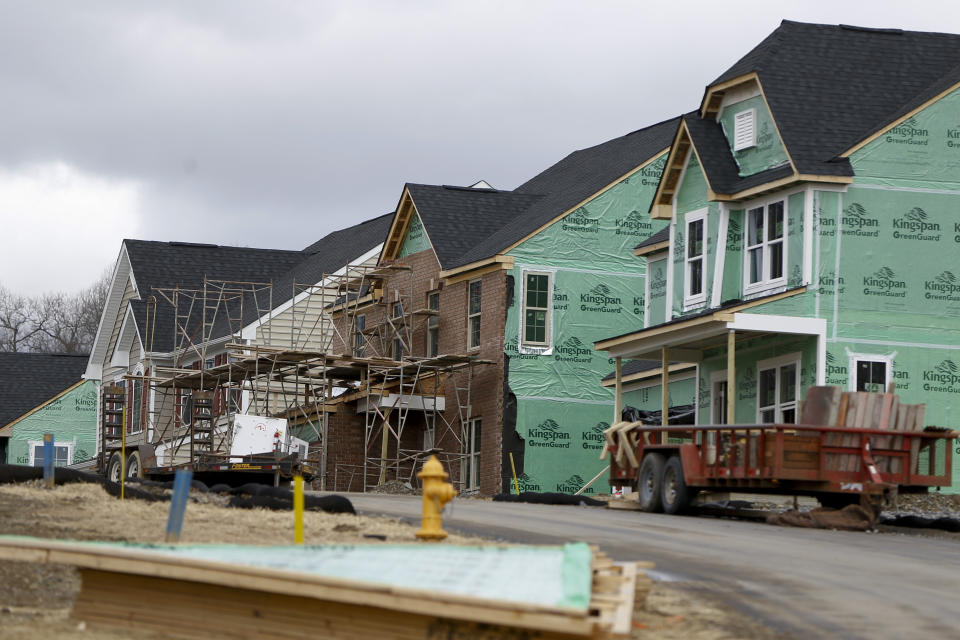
(30, 379)
(185, 264)
(572, 180)
(457, 219)
(830, 86)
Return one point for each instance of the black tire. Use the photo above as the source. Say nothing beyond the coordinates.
(134, 468)
(113, 468)
(674, 493)
(649, 480)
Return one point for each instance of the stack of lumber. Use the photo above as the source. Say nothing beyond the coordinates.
(615, 583)
(184, 595)
(623, 438)
(863, 410)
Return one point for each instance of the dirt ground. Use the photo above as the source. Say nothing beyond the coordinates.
(35, 599)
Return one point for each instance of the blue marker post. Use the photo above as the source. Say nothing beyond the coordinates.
(48, 452)
(178, 504)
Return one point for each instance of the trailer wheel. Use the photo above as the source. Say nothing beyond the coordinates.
(113, 468)
(675, 494)
(649, 480)
(134, 468)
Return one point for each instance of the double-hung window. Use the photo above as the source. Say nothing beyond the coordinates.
(537, 289)
(765, 250)
(473, 315)
(135, 410)
(396, 350)
(778, 383)
(358, 339)
(433, 325)
(694, 292)
(471, 462)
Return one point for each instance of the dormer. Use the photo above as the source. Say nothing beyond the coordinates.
(741, 110)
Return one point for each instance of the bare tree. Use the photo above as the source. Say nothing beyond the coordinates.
(18, 322)
(53, 322)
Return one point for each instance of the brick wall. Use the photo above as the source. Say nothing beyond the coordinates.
(486, 397)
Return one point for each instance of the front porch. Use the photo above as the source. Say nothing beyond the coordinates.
(770, 359)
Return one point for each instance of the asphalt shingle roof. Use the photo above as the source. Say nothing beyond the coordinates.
(717, 161)
(571, 181)
(631, 367)
(457, 219)
(830, 86)
(183, 264)
(660, 236)
(30, 379)
(323, 257)
(169, 264)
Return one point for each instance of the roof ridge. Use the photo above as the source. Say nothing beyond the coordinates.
(46, 353)
(204, 245)
(629, 133)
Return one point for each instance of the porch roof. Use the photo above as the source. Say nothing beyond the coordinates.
(685, 339)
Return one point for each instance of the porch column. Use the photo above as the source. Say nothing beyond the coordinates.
(618, 389)
(664, 392)
(731, 374)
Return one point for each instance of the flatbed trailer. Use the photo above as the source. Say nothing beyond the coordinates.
(668, 466)
(141, 462)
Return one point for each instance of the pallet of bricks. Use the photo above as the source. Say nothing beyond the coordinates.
(868, 410)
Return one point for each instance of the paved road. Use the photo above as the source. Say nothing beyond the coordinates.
(804, 583)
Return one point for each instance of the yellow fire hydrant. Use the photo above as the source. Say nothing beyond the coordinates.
(436, 493)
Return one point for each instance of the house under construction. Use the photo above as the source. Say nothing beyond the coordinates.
(366, 399)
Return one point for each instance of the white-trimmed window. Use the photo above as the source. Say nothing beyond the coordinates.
(778, 387)
(765, 247)
(537, 294)
(870, 372)
(474, 295)
(429, 434)
(694, 292)
(185, 407)
(358, 339)
(62, 453)
(433, 327)
(471, 462)
(135, 403)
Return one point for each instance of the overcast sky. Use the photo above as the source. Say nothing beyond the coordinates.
(270, 124)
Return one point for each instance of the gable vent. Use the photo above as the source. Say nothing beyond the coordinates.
(745, 130)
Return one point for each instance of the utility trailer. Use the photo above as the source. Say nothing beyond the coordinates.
(839, 465)
(263, 460)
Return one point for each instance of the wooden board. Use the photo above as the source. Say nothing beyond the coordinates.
(226, 600)
(821, 406)
(191, 610)
(918, 424)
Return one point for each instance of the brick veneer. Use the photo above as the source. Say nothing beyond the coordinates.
(347, 427)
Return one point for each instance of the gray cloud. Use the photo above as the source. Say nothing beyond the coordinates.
(273, 123)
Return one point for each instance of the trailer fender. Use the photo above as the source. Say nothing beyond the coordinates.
(690, 459)
(148, 456)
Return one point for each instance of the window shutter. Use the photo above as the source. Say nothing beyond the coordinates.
(744, 130)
